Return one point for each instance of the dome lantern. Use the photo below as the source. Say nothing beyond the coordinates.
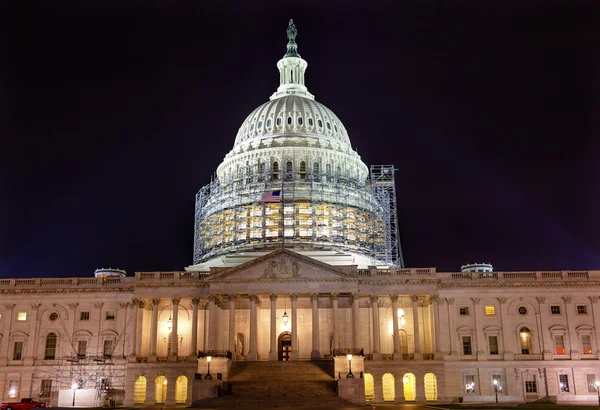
(291, 69)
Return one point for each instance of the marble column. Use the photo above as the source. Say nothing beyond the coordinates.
(543, 328)
(396, 335)
(134, 336)
(154, 328)
(315, 354)
(573, 336)
(596, 321)
(420, 387)
(356, 318)
(399, 388)
(376, 328)
(175, 325)
(451, 328)
(212, 319)
(33, 330)
(232, 335)
(507, 354)
(436, 326)
(334, 308)
(252, 355)
(294, 353)
(480, 337)
(416, 332)
(378, 388)
(194, 347)
(273, 354)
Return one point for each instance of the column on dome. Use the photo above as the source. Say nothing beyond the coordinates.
(232, 336)
(376, 327)
(194, 341)
(315, 354)
(154, 329)
(294, 353)
(334, 308)
(356, 319)
(252, 355)
(416, 330)
(397, 355)
(175, 324)
(273, 354)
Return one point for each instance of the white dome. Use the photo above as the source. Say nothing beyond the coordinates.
(292, 115)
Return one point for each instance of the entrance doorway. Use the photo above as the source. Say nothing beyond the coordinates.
(285, 346)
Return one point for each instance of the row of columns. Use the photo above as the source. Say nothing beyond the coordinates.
(254, 299)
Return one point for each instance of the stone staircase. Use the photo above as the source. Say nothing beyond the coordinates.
(278, 384)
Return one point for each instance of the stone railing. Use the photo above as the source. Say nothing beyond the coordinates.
(528, 357)
(345, 352)
(519, 276)
(428, 356)
(395, 272)
(214, 353)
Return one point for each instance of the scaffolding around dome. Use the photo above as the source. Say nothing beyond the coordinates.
(262, 210)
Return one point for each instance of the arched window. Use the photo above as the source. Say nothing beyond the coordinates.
(160, 393)
(288, 171)
(328, 171)
(181, 385)
(139, 390)
(316, 176)
(430, 387)
(310, 122)
(50, 352)
(289, 121)
(275, 170)
(269, 122)
(369, 387)
(299, 120)
(410, 387)
(389, 391)
(278, 121)
(320, 123)
(526, 342)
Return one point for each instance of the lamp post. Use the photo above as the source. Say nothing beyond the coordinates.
(349, 375)
(208, 376)
(496, 389)
(74, 387)
(597, 383)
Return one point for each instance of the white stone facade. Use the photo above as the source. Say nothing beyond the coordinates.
(471, 329)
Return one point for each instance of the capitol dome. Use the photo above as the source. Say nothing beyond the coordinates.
(293, 180)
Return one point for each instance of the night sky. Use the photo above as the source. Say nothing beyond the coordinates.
(115, 114)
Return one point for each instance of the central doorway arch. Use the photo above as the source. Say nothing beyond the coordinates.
(284, 346)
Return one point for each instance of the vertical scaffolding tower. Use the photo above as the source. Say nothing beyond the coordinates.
(384, 190)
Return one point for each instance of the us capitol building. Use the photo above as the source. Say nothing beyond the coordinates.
(297, 258)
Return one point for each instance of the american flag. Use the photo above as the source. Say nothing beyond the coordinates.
(271, 196)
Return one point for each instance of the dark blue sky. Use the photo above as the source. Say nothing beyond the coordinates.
(115, 115)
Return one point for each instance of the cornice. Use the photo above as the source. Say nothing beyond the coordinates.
(171, 285)
(519, 285)
(284, 280)
(64, 290)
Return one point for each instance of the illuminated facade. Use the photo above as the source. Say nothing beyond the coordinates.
(307, 274)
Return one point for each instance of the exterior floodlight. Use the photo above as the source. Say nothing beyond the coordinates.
(349, 375)
(208, 376)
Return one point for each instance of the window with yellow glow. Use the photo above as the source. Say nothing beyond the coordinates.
(490, 310)
(22, 316)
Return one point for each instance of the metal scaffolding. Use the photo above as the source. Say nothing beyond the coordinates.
(328, 209)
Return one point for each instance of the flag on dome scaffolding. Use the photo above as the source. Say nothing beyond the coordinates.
(271, 196)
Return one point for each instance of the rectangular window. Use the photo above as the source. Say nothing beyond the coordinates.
(555, 309)
(586, 344)
(81, 349)
(111, 315)
(18, 350)
(21, 316)
(84, 315)
(490, 310)
(108, 349)
(46, 388)
(497, 383)
(493, 342)
(466, 341)
(13, 389)
(463, 311)
(563, 380)
(559, 344)
(591, 383)
(581, 309)
(469, 383)
(530, 385)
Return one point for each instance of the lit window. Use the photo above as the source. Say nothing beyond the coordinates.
(21, 316)
(555, 310)
(469, 383)
(490, 310)
(559, 344)
(591, 383)
(522, 310)
(13, 390)
(84, 315)
(586, 344)
(563, 382)
(111, 315)
(581, 309)
(463, 311)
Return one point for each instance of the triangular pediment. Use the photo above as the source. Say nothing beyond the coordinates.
(283, 265)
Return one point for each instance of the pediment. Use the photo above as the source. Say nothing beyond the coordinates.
(283, 265)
